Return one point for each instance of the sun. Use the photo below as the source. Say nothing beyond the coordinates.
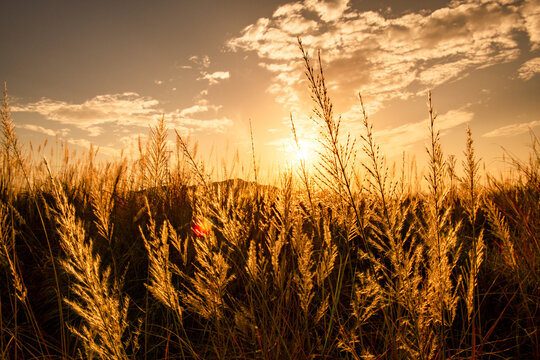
(301, 151)
(302, 154)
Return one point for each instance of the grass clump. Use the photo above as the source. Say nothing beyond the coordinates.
(155, 258)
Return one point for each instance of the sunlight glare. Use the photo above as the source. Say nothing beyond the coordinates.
(302, 154)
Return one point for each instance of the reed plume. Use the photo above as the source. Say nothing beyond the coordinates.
(102, 308)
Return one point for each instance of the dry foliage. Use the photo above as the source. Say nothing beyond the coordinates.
(346, 259)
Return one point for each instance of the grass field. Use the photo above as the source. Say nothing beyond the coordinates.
(346, 258)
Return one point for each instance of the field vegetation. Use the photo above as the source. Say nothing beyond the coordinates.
(348, 258)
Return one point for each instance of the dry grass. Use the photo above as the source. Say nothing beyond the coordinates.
(347, 259)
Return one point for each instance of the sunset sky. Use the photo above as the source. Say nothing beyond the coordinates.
(101, 72)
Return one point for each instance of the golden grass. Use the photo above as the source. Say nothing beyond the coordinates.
(346, 259)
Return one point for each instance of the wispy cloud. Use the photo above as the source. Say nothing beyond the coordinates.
(393, 140)
(202, 61)
(39, 129)
(106, 150)
(95, 130)
(400, 138)
(531, 14)
(188, 125)
(128, 109)
(195, 62)
(328, 10)
(513, 129)
(529, 69)
(202, 106)
(386, 57)
(80, 142)
(215, 77)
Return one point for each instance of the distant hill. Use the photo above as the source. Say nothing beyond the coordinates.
(237, 184)
(241, 184)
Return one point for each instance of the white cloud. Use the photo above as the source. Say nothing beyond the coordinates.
(106, 150)
(529, 69)
(513, 129)
(289, 9)
(400, 138)
(95, 130)
(39, 129)
(385, 57)
(328, 10)
(202, 61)
(215, 77)
(531, 14)
(158, 82)
(202, 106)
(195, 61)
(190, 125)
(127, 109)
(393, 141)
(289, 18)
(81, 142)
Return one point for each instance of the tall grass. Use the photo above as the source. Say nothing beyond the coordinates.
(155, 258)
(99, 304)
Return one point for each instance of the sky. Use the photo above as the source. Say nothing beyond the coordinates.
(102, 72)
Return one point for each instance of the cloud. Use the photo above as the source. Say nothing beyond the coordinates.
(289, 18)
(39, 129)
(513, 129)
(81, 142)
(385, 57)
(126, 109)
(400, 138)
(328, 10)
(189, 125)
(529, 69)
(215, 77)
(158, 82)
(94, 130)
(393, 141)
(200, 117)
(531, 14)
(196, 61)
(106, 150)
(201, 61)
(132, 139)
(201, 107)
